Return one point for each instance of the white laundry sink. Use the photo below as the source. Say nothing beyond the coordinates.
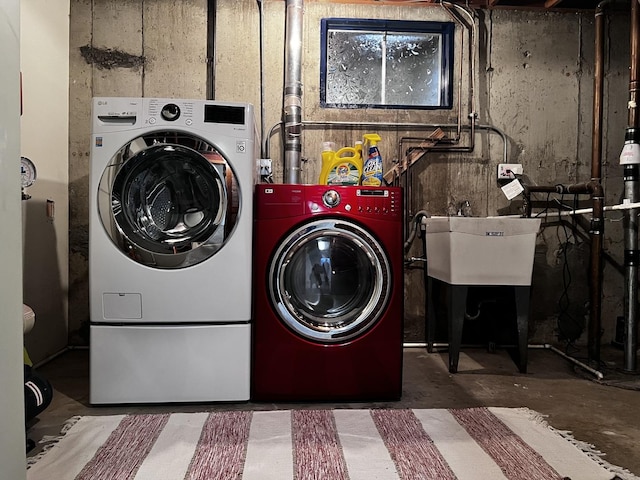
(481, 250)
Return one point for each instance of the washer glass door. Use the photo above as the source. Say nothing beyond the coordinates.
(329, 280)
(169, 200)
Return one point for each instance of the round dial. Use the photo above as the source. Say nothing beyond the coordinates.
(170, 112)
(331, 198)
(27, 172)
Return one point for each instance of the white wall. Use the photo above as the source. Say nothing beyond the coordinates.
(12, 436)
(44, 62)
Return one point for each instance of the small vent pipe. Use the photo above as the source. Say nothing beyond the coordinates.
(292, 111)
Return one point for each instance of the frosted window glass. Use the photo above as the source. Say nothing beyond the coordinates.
(354, 67)
(386, 64)
(413, 69)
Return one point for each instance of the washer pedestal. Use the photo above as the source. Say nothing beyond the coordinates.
(169, 363)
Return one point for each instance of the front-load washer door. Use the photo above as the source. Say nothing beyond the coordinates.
(329, 280)
(168, 200)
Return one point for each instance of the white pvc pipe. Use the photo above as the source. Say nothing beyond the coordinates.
(581, 211)
(622, 206)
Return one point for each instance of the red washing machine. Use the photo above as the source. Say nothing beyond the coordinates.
(328, 293)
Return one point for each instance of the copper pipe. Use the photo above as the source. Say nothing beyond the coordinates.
(598, 91)
(596, 232)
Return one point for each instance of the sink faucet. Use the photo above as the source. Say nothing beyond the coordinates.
(465, 209)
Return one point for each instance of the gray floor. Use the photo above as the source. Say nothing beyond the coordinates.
(606, 416)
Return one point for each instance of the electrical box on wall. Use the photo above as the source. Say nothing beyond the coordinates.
(508, 171)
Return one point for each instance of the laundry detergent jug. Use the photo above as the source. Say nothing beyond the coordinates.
(343, 167)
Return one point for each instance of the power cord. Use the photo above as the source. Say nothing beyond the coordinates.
(569, 327)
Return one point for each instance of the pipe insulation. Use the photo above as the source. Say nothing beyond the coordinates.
(292, 110)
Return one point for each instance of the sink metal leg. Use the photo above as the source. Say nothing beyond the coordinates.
(456, 310)
(431, 316)
(522, 297)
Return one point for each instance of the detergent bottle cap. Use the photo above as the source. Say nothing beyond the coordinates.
(328, 146)
(373, 138)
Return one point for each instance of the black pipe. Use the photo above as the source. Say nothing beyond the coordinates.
(211, 49)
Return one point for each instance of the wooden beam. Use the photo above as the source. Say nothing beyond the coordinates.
(551, 3)
(384, 2)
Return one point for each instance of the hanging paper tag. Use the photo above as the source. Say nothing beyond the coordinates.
(512, 189)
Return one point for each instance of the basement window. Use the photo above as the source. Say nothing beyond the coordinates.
(386, 64)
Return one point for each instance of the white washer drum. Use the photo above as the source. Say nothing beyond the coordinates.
(168, 200)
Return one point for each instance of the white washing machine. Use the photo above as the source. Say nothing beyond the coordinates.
(170, 232)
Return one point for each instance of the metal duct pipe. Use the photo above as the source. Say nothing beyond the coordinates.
(292, 111)
(632, 195)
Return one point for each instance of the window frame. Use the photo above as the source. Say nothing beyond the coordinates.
(445, 29)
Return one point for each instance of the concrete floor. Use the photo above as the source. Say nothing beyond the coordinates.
(571, 398)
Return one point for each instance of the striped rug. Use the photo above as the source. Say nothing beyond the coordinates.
(384, 444)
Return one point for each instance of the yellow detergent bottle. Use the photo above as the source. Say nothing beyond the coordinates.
(372, 169)
(343, 167)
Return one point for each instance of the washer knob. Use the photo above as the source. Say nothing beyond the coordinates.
(170, 112)
(331, 198)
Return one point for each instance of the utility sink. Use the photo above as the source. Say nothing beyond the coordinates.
(481, 250)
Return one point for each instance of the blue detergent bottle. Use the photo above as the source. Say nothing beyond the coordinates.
(372, 168)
